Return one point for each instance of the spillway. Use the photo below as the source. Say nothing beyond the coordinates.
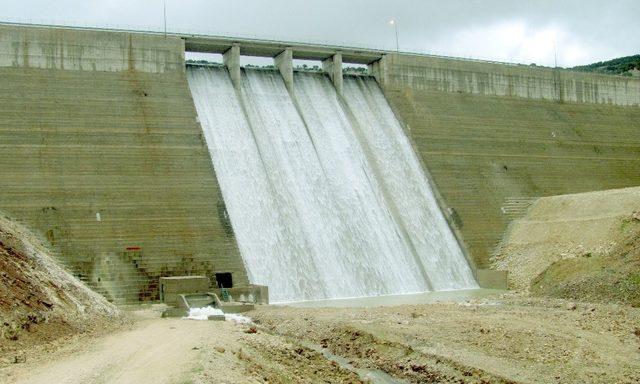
(326, 197)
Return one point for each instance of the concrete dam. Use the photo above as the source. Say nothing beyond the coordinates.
(134, 166)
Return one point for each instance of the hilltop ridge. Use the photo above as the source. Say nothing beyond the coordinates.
(624, 66)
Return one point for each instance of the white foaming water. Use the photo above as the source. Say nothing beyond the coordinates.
(325, 201)
(406, 186)
(266, 230)
(378, 256)
(202, 313)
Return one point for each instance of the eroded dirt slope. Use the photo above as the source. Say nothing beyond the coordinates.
(40, 301)
(582, 246)
(606, 277)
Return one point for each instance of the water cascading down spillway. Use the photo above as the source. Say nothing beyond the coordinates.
(326, 197)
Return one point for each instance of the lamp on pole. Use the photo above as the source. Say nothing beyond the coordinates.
(394, 24)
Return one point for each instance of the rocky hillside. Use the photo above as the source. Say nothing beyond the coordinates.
(612, 276)
(581, 247)
(39, 300)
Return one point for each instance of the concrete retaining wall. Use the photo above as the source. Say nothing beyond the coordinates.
(494, 137)
(101, 152)
(66, 49)
(423, 73)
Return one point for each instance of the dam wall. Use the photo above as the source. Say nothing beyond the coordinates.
(101, 153)
(427, 73)
(495, 137)
(86, 50)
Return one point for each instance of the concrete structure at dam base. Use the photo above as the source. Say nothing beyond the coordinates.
(102, 152)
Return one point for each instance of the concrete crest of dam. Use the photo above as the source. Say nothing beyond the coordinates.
(115, 154)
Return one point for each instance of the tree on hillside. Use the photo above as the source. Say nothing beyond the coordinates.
(619, 66)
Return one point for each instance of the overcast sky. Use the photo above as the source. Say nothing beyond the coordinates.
(524, 31)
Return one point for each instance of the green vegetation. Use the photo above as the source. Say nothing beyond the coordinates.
(356, 70)
(202, 62)
(305, 67)
(620, 66)
(270, 66)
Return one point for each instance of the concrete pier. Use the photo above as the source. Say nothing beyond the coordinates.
(333, 67)
(231, 59)
(377, 68)
(284, 62)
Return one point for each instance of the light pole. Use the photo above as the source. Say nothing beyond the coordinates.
(555, 55)
(164, 13)
(394, 24)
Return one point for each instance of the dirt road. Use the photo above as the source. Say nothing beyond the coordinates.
(161, 351)
(506, 339)
(153, 352)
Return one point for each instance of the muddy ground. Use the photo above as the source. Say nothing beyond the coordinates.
(502, 339)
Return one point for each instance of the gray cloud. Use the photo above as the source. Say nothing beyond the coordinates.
(521, 31)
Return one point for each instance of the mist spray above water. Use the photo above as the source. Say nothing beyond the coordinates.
(326, 197)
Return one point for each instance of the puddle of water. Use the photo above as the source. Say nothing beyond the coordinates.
(392, 300)
(376, 376)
